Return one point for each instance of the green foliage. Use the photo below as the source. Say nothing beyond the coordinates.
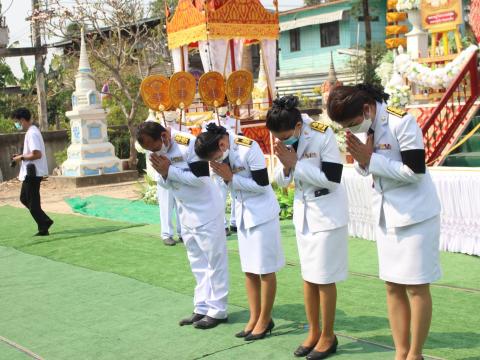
(285, 200)
(60, 157)
(121, 141)
(305, 101)
(357, 65)
(6, 126)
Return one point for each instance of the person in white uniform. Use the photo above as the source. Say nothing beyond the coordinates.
(166, 201)
(309, 156)
(200, 209)
(239, 161)
(405, 205)
(232, 125)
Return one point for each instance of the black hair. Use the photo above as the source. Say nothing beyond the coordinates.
(21, 113)
(346, 102)
(207, 142)
(149, 128)
(284, 114)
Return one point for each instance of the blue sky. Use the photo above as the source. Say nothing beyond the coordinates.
(18, 10)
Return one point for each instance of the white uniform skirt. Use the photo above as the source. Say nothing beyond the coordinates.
(323, 255)
(260, 248)
(409, 255)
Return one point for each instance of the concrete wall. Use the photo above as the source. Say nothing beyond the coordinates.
(11, 144)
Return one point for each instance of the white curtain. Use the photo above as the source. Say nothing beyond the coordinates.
(177, 58)
(215, 57)
(458, 190)
(269, 58)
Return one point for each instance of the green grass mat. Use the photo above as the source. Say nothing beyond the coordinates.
(136, 252)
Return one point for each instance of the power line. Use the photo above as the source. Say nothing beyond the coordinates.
(8, 8)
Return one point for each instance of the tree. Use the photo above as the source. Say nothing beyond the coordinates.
(311, 2)
(124, 46)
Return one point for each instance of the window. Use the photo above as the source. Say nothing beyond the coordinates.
(330, 34)
(295, 40)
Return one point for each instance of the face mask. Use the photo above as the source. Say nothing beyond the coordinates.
(224, 156)
(18, 126)
(363, 127)
(291, 140)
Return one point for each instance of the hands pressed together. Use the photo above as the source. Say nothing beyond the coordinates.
(222, 170)
(361, 152)
(161, 164)
(286, 155)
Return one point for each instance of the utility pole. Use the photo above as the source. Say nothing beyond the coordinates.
(39, 68)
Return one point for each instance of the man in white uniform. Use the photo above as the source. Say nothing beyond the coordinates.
(32, 170)
(200, 210)
(166, 201)
(232, 125)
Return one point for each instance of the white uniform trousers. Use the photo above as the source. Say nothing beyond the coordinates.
(207, 252)
(167, 205)
(225, 190)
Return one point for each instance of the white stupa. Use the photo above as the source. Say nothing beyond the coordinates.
(90, 152)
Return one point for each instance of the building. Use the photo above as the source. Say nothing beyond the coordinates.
(308, 35)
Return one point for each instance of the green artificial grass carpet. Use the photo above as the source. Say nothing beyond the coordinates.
(78, 307)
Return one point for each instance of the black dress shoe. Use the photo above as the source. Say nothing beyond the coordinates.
(233, 229)
(169, 241)
(208, 322)
(180, 240)
(252, 336)
(42, 233)
(190, 320)
(243, 333)
(303, 351)
(318, 355)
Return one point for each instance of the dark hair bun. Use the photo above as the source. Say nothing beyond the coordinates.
(215, 129)
(288, 102)
(376, 92)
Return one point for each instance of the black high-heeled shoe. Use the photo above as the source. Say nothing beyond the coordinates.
(318, 355)
(243, 333)
(252, 336)
(303, 351)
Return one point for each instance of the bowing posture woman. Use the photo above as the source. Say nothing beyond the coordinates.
(405, 205)
(241, 164)
(309, 156)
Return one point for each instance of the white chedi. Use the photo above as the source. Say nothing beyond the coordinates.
(90, 152)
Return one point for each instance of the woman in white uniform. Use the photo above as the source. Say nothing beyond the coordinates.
(239, 161)
(405, 205)
(310, 157)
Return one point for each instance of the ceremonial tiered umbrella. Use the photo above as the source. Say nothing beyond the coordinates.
(211, 88)
(182, 91)
(155, 93)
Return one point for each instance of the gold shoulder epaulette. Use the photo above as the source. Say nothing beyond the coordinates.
(396, 111)
(182, 139)
(242, 140)
(318, 126)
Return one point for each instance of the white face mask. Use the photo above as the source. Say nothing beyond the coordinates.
(363, 127)
(224, 156)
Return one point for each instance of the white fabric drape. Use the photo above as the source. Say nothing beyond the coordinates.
(215, 58)
(269, 58)
(177, 58)
(459, 193)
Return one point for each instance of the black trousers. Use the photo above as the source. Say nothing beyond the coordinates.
(30, 198)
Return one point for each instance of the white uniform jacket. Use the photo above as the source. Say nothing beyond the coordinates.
(197, 197)
(256, 202)
(320, 199)
(402, 184)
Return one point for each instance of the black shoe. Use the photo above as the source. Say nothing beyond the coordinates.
(208, 322)
(169, 241)
(303, 351)
(318, 355)
(227, 232)
(233, 229)
(180, 240)
(42, 233)
(243, 333)
(190, 320)
(44, 230)
(252, 336)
